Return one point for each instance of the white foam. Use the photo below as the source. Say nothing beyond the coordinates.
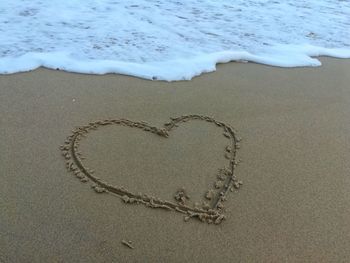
(169, 40)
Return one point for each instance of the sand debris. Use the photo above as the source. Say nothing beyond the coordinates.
(84, 179)
(181, 196)
(218, 184)
(98, 189)
(128, 244)
(227, 135)
(210, 194)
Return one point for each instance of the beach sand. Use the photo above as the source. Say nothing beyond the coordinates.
(294, 205)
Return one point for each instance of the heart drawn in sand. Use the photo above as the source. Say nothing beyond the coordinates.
(212, 210)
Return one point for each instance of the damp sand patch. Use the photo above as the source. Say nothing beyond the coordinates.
(210, 209)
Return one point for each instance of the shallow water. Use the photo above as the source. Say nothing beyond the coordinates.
(168, 40)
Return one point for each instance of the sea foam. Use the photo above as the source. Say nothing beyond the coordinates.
(169, 40)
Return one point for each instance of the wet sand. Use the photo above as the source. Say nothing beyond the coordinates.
(293, 206)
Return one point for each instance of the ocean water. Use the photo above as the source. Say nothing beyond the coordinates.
(169, 39)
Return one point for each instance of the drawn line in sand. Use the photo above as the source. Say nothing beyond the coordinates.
(212, 209)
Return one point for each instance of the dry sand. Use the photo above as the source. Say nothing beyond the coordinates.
(294, 205)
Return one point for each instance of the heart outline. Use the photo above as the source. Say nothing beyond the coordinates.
(212, 215)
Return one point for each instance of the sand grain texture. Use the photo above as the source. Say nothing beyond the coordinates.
(294, 205)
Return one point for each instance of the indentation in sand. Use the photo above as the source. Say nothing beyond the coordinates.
(212, 208)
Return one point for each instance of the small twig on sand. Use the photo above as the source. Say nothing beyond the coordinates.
(127, 243)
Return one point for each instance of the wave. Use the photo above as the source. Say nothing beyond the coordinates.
(169, 39)
(172, 70)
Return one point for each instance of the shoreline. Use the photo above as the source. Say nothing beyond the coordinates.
(175, 69)
(293, 205)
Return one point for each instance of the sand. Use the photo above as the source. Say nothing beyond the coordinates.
(293, 206)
